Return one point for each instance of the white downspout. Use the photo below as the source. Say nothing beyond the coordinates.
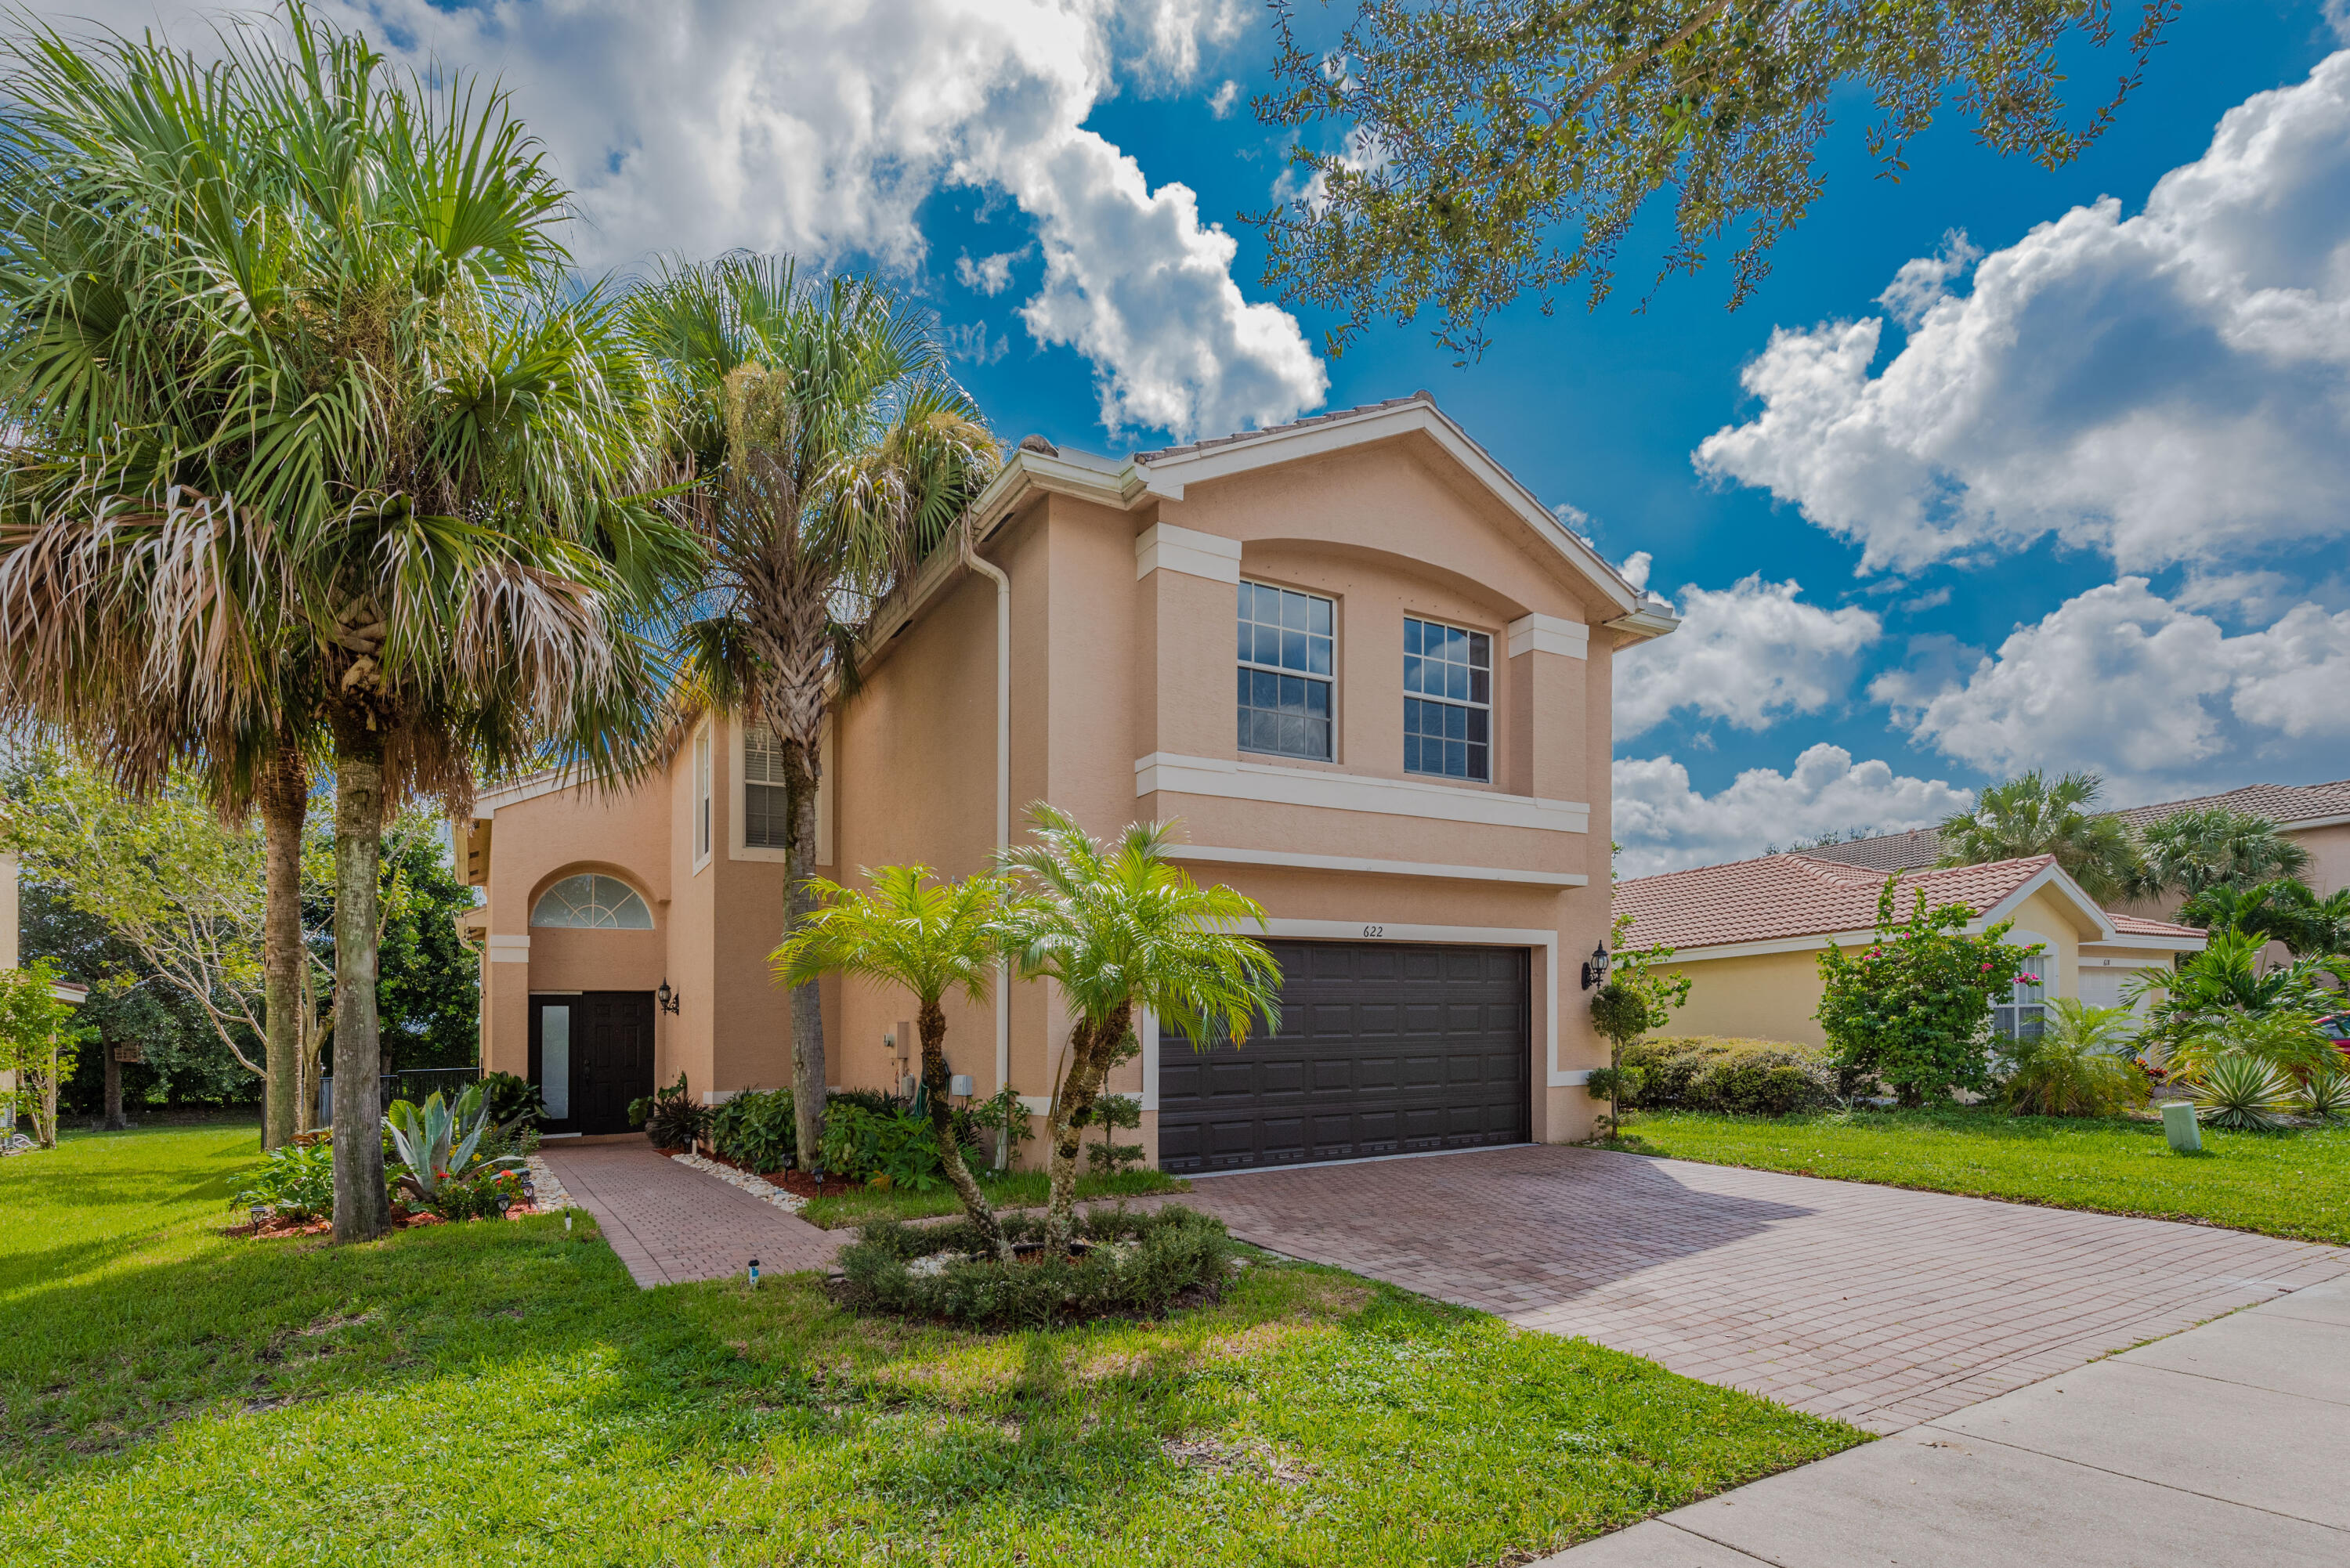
(972, 558)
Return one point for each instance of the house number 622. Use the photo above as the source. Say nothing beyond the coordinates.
(1375, 931)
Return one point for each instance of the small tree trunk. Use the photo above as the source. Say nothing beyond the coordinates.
(935, 1081)
(807, 1000)
(361, 1212)
(284, 802)
(1089, 1048)
(112, 1121)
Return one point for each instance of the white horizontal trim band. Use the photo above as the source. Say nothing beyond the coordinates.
(1222, 856)
(1214, 777)
(1186, 550)
(1548, 634)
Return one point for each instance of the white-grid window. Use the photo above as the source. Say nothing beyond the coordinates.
(2023, 1014)
(592, 903)
(1287, 643)
(702, 796)
(767, 814)
(1448, 704)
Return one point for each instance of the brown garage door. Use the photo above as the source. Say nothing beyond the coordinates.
(1384, 1048)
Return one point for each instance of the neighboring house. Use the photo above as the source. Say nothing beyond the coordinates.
(64, 990)
(1749, 934)
(1366, 670)
(2316, 817)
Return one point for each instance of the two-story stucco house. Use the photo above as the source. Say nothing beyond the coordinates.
(1364, 668)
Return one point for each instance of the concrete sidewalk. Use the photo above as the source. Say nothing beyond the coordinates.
(2227, 1444)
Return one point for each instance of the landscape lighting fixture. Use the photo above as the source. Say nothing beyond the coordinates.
(666, 997)
(1594, 968)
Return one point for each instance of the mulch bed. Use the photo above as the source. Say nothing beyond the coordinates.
(282, 1225)
(798, 1183)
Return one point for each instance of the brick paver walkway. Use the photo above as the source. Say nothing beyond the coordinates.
(669, 1222)
(1882, 1306)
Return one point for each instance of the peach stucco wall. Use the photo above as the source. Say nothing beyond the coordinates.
(1109, 666)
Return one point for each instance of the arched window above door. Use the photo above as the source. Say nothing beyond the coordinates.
(592, 902)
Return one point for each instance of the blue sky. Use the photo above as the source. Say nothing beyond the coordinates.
(2075, 500)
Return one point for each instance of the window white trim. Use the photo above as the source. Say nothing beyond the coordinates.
(1548, 634)
(1186, 550)
(702, 803)
(1220, 857)
(1223, 779)
(1282, 671)
(2043, 964)
(1469, 704)
(738, 850)
(1556, 1076)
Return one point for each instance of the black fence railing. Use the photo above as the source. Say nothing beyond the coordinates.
(411, 1083)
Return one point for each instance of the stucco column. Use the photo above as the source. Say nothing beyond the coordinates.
(1186, 580)
(1550, 749)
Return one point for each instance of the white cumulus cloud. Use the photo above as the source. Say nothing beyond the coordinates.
(1665, 824)
(2168, 388)
(2153, 695)
(1749, 654)
(794, 125)
(989, 276)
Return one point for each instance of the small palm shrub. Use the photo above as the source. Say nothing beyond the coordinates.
(2327, 1094)
(1134, 1263)
(2241, 1092)
(2075, 1067)
(1739, 1078)
(673, 1117)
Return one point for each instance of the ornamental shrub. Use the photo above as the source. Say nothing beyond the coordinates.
(1739, 1077)
(1913, 1008)
(671, 1116)
(755, 1129)
(296, 1180)
(475, 1196)
(893, 1149)
(1138, 1263)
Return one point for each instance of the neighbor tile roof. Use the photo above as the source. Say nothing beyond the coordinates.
(2279, 803)
(1803, 895)
(2133, 926)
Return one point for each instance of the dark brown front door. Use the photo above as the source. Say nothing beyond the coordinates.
(1384, 1048)
(590, 1054)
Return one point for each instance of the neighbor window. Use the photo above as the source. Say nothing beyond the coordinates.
(1285, 644)
(1448, 712)
(766, 819)
(701, 797)
(594, 903)
(2023, 1014)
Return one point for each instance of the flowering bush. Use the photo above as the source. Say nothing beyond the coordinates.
(1913, 1008)
(475, 1196)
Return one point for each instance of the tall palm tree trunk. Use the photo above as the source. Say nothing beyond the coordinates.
(807, 1000)
(284, 799)
(932, 1026)
(361, 1211)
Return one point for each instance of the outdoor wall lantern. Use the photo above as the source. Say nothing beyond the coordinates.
(666, 997)
(1594, 968)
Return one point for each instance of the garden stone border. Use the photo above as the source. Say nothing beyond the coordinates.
(547, 1189)
(756, 1186)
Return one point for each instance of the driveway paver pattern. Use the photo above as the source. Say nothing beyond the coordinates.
(670, 1223)
(1878, 1305)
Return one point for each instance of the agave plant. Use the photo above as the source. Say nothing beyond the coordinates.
(2327, 1094)
(2243, 1092)
(438, 1143)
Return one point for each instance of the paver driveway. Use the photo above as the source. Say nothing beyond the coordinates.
(1882, 1306)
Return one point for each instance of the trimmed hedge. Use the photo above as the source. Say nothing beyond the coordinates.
(1139, 1264)
(1744, 1077)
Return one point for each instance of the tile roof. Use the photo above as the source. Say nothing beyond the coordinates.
(2283, 803)
(2279, 803)
(1804, 895)
(2134, 926)
(1207, 442)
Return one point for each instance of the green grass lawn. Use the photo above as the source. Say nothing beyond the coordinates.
(1012, 1190)
(2292, 1183)
(501, 1393)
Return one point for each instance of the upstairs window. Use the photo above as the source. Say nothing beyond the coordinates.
(1286, 639)
(592, 903)
(1448, 703)
(767, 818)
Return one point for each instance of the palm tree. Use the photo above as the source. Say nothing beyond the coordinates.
(1123, 928)
(931, 938)
(2029, 816)
(833, 453)
(2191, 852)
(347, 301)
(2078, 1066)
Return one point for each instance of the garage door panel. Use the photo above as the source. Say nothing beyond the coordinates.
(1384, 1048)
